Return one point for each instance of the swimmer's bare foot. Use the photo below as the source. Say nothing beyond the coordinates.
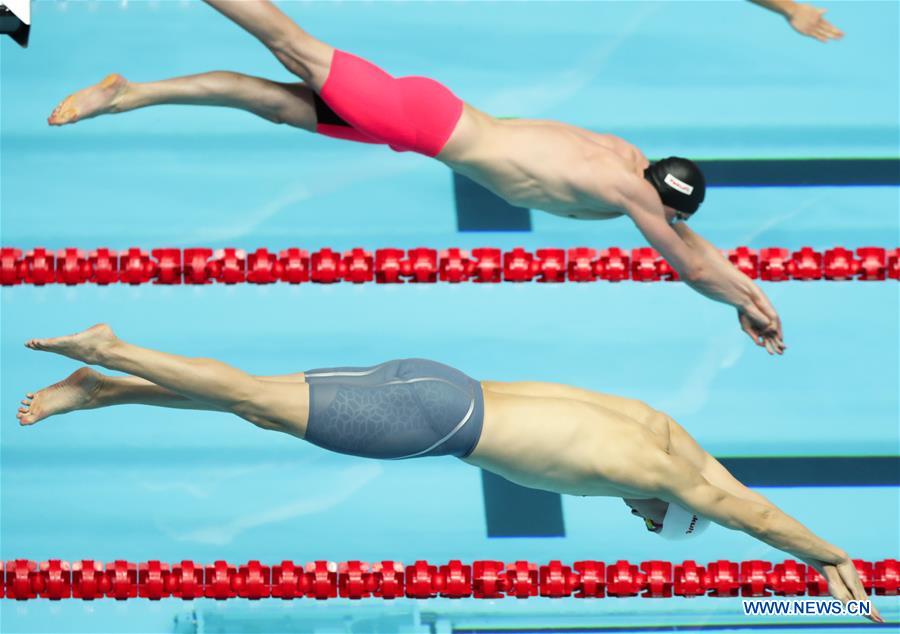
(78, 391)
(92, 101)
(88, 346)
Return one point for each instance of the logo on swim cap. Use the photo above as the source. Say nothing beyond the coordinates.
(680, 523)
(678, 185)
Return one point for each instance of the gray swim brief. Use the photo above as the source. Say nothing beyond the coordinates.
(407, 408)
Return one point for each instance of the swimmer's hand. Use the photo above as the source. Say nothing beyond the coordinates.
(803, 18)
(763, 325)
(808, 20)
(844, 583)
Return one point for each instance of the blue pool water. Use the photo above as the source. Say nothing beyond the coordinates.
(702, 79)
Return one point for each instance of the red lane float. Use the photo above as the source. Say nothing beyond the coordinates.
(486, 265)
(90, 580)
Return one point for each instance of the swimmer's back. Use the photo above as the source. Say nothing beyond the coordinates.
(542, 164)
(535, 435)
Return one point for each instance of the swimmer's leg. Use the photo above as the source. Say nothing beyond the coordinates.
(290, 103)
(409, 113)
(299, 52)
(223, 387)
(88, 389)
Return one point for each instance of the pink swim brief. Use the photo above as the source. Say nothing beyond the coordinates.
(360, 102)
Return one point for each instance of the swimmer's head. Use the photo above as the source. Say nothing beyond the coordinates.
(669, 521)
(680, 185)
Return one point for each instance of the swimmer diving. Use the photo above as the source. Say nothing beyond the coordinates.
(598, 445)
(532, 163)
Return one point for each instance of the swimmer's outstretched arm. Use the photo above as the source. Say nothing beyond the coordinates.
(677, 481)
(691, 260)
(804, 18)
(674, 479)
(715, 260)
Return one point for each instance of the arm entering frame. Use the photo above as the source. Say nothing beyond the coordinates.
(803, 18)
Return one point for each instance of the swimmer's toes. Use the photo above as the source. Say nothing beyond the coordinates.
(26, 416)
(67, 117)
(75, 392)
(47, 344)
(94, 100)
(63, 113)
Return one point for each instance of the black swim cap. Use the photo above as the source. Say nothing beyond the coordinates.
(679, 183)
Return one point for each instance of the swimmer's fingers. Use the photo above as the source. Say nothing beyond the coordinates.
(763, 337)
(773, 328)
(778, 330)
(772, 345)
(850, 576)
(778, 338)
(816, 33)
(842, 585)
(763, 328)
(808, 20)
(826, 30)
(758, 318)
(766, 334)
(830, 33)
(776, 346)
(759, 341)
(820, 34)
(833, 32)
(747, 327)
(875, 615)
(836, 586)
(765, 307)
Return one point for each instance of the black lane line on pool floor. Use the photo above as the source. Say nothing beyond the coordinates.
(477, 209)
(515, 511)
(801, 172)
(814, 471)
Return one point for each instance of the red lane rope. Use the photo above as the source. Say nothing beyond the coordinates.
(72, 266)
(23, 579)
